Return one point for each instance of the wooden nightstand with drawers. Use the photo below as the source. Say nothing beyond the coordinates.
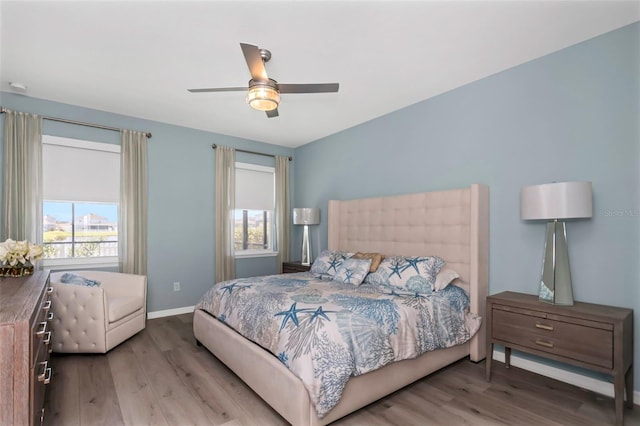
(591, 336)
(294, 266)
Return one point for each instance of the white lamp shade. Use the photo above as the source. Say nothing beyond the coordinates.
(562, 200)
(306, 216)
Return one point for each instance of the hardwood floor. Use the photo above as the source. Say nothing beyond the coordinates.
(160, 377)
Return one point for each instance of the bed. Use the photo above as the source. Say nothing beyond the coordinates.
(452, 224)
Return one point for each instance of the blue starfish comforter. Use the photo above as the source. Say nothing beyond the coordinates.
(326, 332)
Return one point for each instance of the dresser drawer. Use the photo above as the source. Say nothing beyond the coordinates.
(584, 341)
(41, 327)
(24, 313)
(41, 341)
(41, 376)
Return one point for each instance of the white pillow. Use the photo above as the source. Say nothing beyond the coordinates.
(444, 278)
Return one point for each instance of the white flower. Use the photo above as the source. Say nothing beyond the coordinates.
(35, 252)
(13, 252)
(21, 246)
(10, 244)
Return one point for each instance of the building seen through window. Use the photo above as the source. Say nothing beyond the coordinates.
(72, 230)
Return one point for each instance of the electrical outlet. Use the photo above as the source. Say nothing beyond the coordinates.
(176, 286)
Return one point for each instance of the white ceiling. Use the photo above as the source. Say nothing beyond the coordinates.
(138, 58)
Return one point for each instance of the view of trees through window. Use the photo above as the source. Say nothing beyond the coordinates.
(252, 230)
(75, 229)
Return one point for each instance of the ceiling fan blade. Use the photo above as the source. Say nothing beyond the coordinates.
(308, 88)
(272, 113)
(254, 61)
(218, 89)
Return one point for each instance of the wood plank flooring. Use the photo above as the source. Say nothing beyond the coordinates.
(160, 377)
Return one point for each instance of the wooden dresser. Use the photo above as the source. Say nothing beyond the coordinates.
(25, 336)
(596, 337)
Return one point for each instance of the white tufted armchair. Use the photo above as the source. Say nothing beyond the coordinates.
(95, 319)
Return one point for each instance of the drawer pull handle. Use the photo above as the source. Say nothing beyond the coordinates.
(543, 343)
(49, 290)
(544, 327)
(40, 333)
(47, 379)
(48, 338)
(45, 369)
(47, 305)
(49, 316)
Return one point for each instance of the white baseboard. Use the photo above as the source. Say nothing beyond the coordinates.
(170, 312)
(576, 379)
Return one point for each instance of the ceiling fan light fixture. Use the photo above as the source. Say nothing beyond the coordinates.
(263, 96)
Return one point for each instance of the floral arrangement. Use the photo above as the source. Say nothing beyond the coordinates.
(16, 257)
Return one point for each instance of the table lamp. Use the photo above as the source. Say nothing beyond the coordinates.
(306, 216)
(555, 202)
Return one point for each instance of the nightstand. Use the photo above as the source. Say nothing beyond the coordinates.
(591, 336)
(294, 266)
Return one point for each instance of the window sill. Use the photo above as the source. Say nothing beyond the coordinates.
(247, 254)
(80, 263)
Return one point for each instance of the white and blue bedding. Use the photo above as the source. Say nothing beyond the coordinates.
(325, 331)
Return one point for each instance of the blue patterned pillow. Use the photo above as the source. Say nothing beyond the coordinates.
(352, 271)
(78, 280)
(328, 262)
(458, 298)
(413, 273)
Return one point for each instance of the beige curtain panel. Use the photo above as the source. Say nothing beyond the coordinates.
(132, 219)
(225, 187)
(283, 211)
(22, 177)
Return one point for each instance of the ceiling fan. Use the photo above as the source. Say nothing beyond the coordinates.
(263, 92)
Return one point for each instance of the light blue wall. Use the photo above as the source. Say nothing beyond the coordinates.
(181, 195)
(571, 115)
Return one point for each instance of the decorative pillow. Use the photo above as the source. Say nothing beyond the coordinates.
(376, 258)
(328, 261)
(352, 271)
(444, 278)
(416, 274)
(458, 298)
(78, 280)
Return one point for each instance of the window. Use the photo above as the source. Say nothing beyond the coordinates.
(253, 216)
(81, 191)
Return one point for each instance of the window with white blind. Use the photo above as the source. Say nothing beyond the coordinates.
(255, 204)
(81, 192)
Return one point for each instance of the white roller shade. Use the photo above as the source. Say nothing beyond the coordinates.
(254, 187)
(75, 170)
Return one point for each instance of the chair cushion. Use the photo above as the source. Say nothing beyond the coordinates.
(120, 307)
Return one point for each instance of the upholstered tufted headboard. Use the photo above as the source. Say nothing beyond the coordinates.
(452, 224)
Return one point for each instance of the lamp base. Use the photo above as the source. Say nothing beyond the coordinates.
(555, 285)
(306, 247)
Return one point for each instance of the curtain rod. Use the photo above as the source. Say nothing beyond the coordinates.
(79, 123)
(214, 146)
